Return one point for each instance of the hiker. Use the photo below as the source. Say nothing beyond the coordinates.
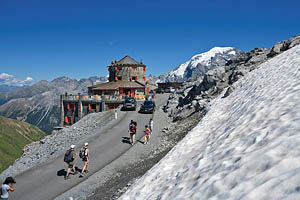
(85, 155)
(7, 186)
(132, 131)
(151, 125)
(116, 114)
(69, 159)
(147, 134)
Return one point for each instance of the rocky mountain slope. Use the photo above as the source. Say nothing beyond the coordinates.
(198, 65)
(195, 96)
(39, 103)
(246, 146)
(14, 135)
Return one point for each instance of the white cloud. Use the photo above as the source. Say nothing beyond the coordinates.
(7, 79)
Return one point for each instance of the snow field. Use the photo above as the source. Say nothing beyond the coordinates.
(246, 147)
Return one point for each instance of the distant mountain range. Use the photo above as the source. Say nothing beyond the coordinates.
(7, 88)
(39, 104)
(198, 65)
(14, 136)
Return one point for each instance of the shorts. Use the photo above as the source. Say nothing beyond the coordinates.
(132, 133)
(3, 198)
(70, 164)
(85, 159)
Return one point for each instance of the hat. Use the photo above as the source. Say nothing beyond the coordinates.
(73, 146)
(86, 144)
(9, 180)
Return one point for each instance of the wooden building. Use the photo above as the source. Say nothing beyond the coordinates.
(166, 87)
(126, 78)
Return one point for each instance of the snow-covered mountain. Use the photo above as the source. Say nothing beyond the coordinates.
(246, 146)
(199, 64)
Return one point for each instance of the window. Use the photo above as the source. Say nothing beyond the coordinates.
(134, 78)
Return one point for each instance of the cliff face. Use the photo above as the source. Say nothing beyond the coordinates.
(14, 135)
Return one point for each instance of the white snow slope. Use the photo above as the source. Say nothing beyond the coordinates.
(203, 58)
(246, 147)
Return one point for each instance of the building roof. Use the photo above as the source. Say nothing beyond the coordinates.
(115, 85)
(127, 60)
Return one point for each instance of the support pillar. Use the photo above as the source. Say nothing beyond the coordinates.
(62, 111)
(103, 103)
(98, 107)
(80, 108)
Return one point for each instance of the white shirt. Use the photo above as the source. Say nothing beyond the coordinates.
(5, 189)
(151, 124)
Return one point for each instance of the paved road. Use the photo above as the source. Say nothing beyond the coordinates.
(46, 181)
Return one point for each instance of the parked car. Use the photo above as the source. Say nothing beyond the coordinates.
(129, 104)
(147, 107)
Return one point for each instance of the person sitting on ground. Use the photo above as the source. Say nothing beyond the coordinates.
(7, 186)
(147, 134)
(132, 132)
(71, 155)
(85, 159)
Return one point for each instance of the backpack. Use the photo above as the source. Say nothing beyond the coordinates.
(132, 129)
(68, 156)
(81, 153)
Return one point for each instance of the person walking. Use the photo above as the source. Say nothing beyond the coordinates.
(7, 186)
(85, 158)
(69, 159)
(132, 131)
(151, 125)
(147, 134)
(116, 114)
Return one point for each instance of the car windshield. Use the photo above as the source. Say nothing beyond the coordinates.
(129, 101)
(148, 103)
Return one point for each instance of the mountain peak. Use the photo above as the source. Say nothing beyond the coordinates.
(201, 63)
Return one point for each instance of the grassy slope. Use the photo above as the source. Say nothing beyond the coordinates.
(14, 135)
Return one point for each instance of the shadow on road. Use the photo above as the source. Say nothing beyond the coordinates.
(126, 140)
(61, 172)
(140, 141)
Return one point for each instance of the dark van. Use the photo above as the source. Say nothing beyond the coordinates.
(129, 104)
(148, 106)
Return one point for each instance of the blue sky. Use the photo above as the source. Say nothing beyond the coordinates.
(75, 38)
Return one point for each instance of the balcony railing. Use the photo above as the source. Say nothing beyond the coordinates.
(83, 97)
